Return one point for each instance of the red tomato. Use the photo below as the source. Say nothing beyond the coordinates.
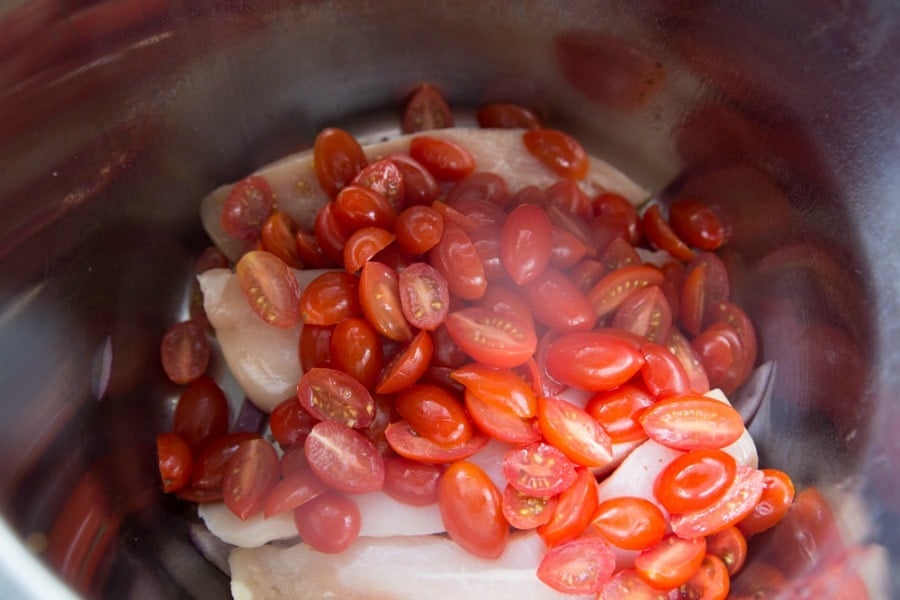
(481, 186)
(705, 285)
(722, 356)
(343, 458)
(364, 244)
(777, 497)
(500, 298)
(421, 187)
(662, 373)
(692, 423)
(201, 414)
(246, 208)
(379, 296)
(310, 252)
(405, 442)
(446, 160)
(385, 178)
(290, 423)
(739, 500)
(424, 296)
(619, 253)
(524, 511)
(661, 236)
(184, 352)
(567, 249)
(452, 216)
(558, 151)
(426, 109)
(609, 293)
(499, 387)
(456, 258)
(694, 480)
(730, 545)
(294, 490)
(418, 229)
(580, 566)
(471, 509)
(506, 116)
(356, 207)
(331, 235)
(407, 366)
(630, 523)
(565, 219)
(495, 339)
(593, 361)
(210, 258)
(487, 245)
(526, 241)
(483, 213)
(411, 482)
(337, 158)
(739, 321)
(587, 273)
(557, 302)
(576, 433)
(671, 562)
(329, 522)
(645, 312)
(356, 350)
(175, 461)
(332, 395)
(618, 410)
(538, 469)
(613, 208)
(567, 194)
(434, 414)
(249, 477)
(710, 582)
(270, 287)
(696, 223)
(681, 348)
(209, 466)
(315, 346)
(278, 236)
(330, 298)
(574, 510)
(499, 422)
(447, 354)
(628, 585)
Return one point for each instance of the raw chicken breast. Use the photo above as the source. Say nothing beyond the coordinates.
(402, 568)
(500, 151)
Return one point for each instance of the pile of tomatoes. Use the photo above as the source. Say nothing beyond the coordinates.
(457, 312)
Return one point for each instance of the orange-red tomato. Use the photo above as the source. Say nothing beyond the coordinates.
(457, 259)
(363, 245)
(406, 442)
(424, 296)
(497, 340)
(210, 463)
(692, 423)
(248, 204)
(629, 522)
(730, 545)
(356, 350)
(329, 522)
(426, 109)
(524, 511)
(330, 298)
(435, 414)
(609, 293)
(278, 236)
(500, 387)
(558, 151)
(684, 352)
(574, 510)
(175, 461)
(567, 249)
(410, 481)
(661, 236)
(500, 422)
(330, 234)
(696, 223)
(471, 509)
(593, 361)
(446, 160)
(694, 480)
(418, 229)
(407, 366)
(310, 252)
(356, 207)
(379, 296)
(620, 214)
(386, 179)
(576, 433)
(506, 116)
(526, 241)
(270, 288)
(672, 562)
(777, 497)
(295, 489)
(645, 312)
(344, 458)
(290, 423)
(544, 292)
(538, 469)
(421, 186)
(737, 502)
(184, 352)
(628, 585)
(314, 346)
(710, 582)
(480, 186)
(337, 159)
(662, 373)
(201, 414)
(618, 409)
(251, 474)
(332, 395)
(580, 566)
(568, 195)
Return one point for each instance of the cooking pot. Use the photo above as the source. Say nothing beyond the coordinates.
(116, 117)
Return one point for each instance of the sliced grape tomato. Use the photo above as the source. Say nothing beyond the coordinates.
(692, 423)
(538, 469)
(424, 296)
(343, 458)
(332, 395)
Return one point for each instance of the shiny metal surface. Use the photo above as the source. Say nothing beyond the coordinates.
(116, 117)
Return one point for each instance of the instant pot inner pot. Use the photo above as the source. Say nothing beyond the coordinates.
(118, 117)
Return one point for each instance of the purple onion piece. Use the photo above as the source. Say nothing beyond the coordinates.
(251, 418)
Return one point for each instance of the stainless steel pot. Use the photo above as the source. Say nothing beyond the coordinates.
(117, 116)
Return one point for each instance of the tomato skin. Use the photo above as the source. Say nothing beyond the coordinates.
(618, 410)
(457, 259)
(356, 350)
(730, 546)
(580, 566)
(524, 511)
(278, 236)
(722, 356)
(662, 374)
(494, 339)
(661, 236)
(566, 194)
(612, 289)
(692, 423)
(593, 361)
(270, 288)
(332, 395)
(356, 207)
(446, 160)
(418, 229)
(695, 223)
(629, 523)
(337, 159)
(694, 480)
(645, 312)
(538, 469)
(314, 347)
(567, 249)
(249, 477)
(424, 296)
(329, 522)
(578, 435)
(526, 241)
(379, 296)
(184, 352)
(471, 509)
(421, 186)
(343, 458)
(671, 562)
(626, 584)
(363, 245)
(736, 503)
(499, 422)
(310, 252)
(330, 234)
(210, 463)
(175, 461)
(710, 582)
(201, 414)
(435, 414)
(404, 441)
(558, 151)
(611, 207)
(290, 423)
(480, 186)
(426, 109)
(557, 302)
(248, 204)
(575, 508)
(294, 490)
(500, 387)
(777, 497)
(407, 366)
(410, 481)
(684, 352)
(384, 178)
(506, 116)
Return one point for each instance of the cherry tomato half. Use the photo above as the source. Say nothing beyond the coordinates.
(777, 497)
(184, 352)
(337, 158)
(410, 481)
(446, 160)
(424, 296)
(558, 151)
(629, 522)
(332, 395)
(344, 458)
(405, 442)
(593, 361)
(435, 414)
(575, 508)
(379, 296)
(175, 461)
(694, 480)
(497, 340)
(538, 469)
(737, 502)
(580, 566)
(270, 287)
(506, 116)
(471, 509)
(249, 477)
(526, 241)
(692, 423)
(201, 414)
(246, 208)
(329, 522)
(426, 109)
(576, 433)
(671, 562)
(407, 366)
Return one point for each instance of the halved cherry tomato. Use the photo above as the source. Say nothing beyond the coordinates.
(356, 207)
(410, 481)
(497, 340)
(457, 259)
(692, 423)
(710, 582)
(364, 244)
(544, 292)
(315, 346)
(379, 296)
(587, 273)
(356, 350)
(452, 216)
(385, 178)
(330, 234)
(471, 509)
(575, 508)
(487, 245)
(290, 423)
(405, 442)
(672, 562)
(249, 477)
(337, 158)
(293, 460)
(628, 585)
(446, 160)
(426, 109)
(500, 422)
(612, 208)
(201, 414)
(434, 414)
(483, 213)
(184, 352)
(500, 387)
(421, 186)
(580, 566)
(735, 316)
(292, 491)
(662, 373)
(248, 204)
(344, 458)
(777, 497)
(278, 236)
(629, 522)
(567, 194)
(538, 469)
(696, 223)
(424, 296)
(524, 511)
(558, 151)
(723, 357)
(175, 461)
(609, 293)
(618, 254)
(447, 354)
(661, 236)
(737, 502)
(730, 545)
(310, 252)
(576, 433)
(567, 249)
(593, 361)
(210, 464)
(705, 285)
(645, 312)
(618, 410)
(500, 298)
(526, 241)
(506, 116)
(407, 366)
(565, 219)
(482, 186)
(418, 229)
(682, 350)
(332, 395)
(694, 480)
(329, 522)
(270, 288)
